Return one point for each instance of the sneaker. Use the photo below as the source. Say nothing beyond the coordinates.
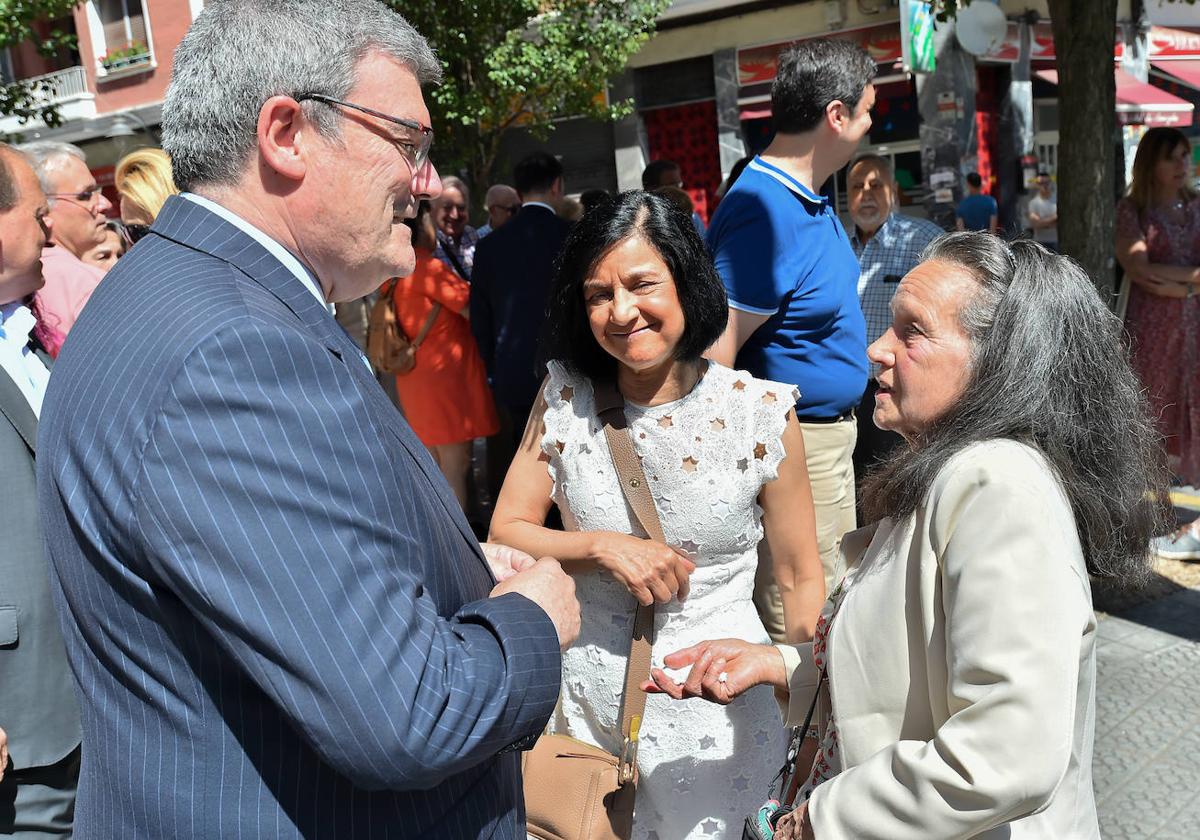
(1183, 544)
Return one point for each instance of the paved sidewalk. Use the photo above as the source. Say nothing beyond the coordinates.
(1147, 772)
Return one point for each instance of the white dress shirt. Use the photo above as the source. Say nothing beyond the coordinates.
(17, 358)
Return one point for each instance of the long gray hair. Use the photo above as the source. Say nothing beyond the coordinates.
(1049, 369)
(240, 53)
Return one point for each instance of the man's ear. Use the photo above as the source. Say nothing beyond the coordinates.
(837, 115)
(282, 136)
(556, 189)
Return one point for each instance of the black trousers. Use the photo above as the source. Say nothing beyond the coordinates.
(874, 444)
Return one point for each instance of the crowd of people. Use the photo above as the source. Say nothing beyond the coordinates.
(253, 586)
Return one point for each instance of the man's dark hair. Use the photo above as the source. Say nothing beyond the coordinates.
(814, 73)
(9, 194)
(974, 180)
(653, 174)
(536, 173)
(592, 198)
(567, 335)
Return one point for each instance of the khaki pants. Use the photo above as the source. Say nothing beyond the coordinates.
(829, 451)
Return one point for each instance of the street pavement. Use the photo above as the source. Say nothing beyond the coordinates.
(1147, 772)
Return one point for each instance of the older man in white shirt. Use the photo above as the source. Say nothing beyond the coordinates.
(38, 710)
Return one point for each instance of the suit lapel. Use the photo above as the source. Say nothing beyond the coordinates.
(16, 410)
(194, 226)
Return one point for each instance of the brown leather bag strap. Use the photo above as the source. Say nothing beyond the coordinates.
(610, 406)
(427, 326)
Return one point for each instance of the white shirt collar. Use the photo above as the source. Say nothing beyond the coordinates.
(289, 260)
(537, 204)
(17, 359)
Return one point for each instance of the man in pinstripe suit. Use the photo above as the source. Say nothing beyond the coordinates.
(277, 616)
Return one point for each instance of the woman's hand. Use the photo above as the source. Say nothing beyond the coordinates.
(506, 561)
(795, 825)
(1160, 287)
(651, 571)
(3, 753)
(743, 664)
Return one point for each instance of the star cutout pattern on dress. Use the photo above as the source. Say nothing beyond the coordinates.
(710, 826)
(584, 448)
(743, 464)
(718, 424)
(689, 463)
(566, 393)
(760, 451)
(741, 783)
(691, 547)
(739, 385)
(707, 742)
(721, 508)
(665, 422)
(559, 445)
(769, 397)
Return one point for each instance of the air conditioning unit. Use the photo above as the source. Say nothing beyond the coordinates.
(834, 16)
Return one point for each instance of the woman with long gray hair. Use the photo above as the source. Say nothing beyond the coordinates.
(955, 664)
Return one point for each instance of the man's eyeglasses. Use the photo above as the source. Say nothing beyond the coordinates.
(85, 198)
(415, 150)
(510, 209)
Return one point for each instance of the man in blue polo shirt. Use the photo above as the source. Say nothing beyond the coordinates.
(792, 276)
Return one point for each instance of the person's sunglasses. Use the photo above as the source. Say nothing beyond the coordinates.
(420, 137)
(135, 232)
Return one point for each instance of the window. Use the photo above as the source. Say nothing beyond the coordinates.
(121, 34)
(124, 22)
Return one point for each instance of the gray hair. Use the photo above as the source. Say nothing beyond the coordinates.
(240, 53)
(880, 162)
(496, 192)
(44, 156)
(453, 182)
(1049, 369)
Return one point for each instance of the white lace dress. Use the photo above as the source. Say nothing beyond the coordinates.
(706, 456)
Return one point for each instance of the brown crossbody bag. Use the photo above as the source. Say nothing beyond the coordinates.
(575, 790)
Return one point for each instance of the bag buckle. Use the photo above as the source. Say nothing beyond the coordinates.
(627, 761)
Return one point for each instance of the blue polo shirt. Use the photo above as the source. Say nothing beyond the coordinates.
(782, 252)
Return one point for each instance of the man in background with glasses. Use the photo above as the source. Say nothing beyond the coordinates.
(78, 212)
(280, 621)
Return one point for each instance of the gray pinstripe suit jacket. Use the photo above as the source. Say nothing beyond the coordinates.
(276, 613)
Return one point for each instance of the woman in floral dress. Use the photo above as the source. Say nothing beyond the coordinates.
(1158, 245)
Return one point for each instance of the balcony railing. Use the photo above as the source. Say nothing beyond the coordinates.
(61, 85)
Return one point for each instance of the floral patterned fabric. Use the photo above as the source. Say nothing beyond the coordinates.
(1163, 332)
(828, 762)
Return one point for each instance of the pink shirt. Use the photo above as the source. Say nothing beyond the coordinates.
(69, 284)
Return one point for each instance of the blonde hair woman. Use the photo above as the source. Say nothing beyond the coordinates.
(144, 182)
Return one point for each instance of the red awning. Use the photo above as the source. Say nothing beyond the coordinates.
(1140, 102)
(1185, 70)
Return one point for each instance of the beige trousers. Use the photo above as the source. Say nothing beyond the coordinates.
(829, 451)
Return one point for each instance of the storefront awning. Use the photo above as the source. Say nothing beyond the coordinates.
(1140, 102)
(1186, 71)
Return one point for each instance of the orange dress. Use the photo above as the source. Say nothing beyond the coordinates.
(445, 396)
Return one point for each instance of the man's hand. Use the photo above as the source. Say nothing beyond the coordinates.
(552, 589)
(505, 560)
(3, 753)
(721, 670)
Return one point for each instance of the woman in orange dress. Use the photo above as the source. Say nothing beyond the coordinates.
(445, 396)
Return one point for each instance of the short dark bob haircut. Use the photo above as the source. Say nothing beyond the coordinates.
(567, 336)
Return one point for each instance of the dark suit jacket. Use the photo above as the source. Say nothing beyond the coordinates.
(276, 611)
(38, 708)
(510, 282)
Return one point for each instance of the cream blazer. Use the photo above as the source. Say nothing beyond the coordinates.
(962, 665)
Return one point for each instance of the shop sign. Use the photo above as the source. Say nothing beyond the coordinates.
(1165, 42)
(760, 64)
(916, 33)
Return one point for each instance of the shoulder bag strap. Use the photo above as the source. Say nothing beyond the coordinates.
(610, 406)
(455, 262)
(427, 326)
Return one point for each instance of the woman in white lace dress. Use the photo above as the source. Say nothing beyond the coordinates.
(638, 300)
